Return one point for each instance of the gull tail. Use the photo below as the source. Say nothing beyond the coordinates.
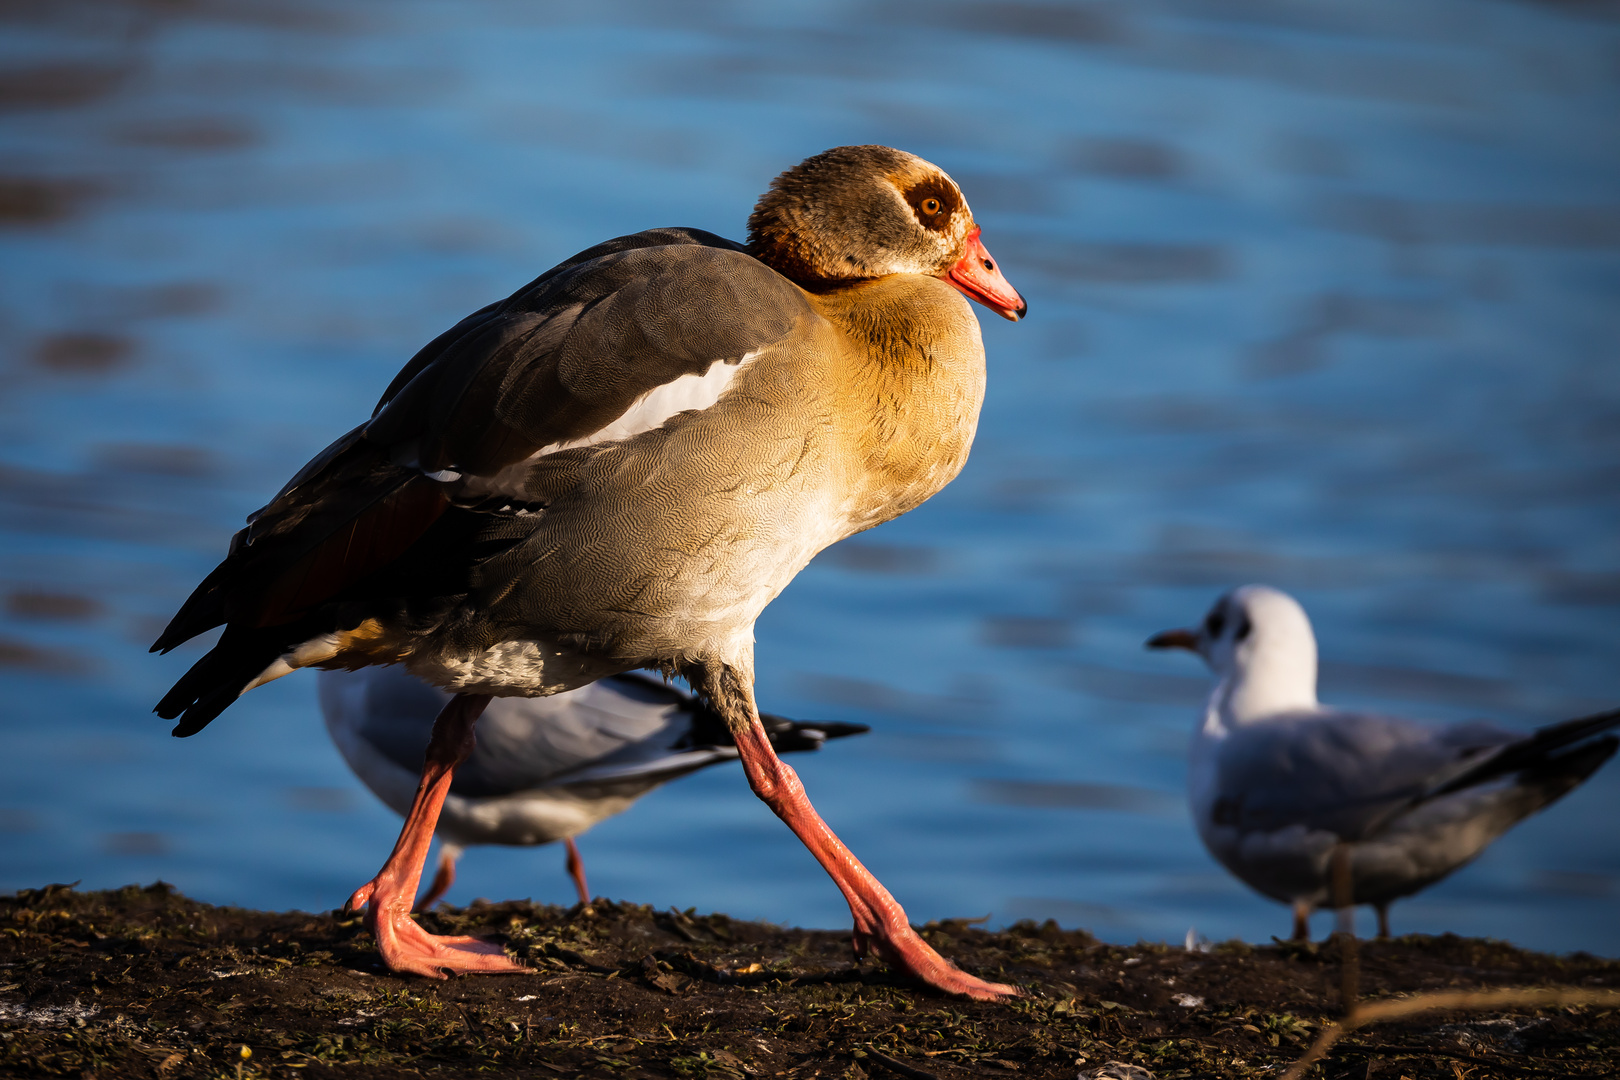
(1558, 755)
(709, 727)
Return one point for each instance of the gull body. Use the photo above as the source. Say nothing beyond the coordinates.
(1278, 782)
(544, 769)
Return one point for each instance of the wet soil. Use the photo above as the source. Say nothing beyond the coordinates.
(142, 982)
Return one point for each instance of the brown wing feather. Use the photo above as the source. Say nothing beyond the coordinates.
(330, 527)
(568, 354)
(365, 543)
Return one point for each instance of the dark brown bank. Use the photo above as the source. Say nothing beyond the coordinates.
(142, 982)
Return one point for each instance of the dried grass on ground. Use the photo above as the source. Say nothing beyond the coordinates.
(144, 983)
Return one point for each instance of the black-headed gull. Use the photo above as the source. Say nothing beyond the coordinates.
(543, 769)
(1277, 780)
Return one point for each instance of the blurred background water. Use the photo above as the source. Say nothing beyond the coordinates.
(1323, 295)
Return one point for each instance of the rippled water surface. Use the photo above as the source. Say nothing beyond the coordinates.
(1326, 296)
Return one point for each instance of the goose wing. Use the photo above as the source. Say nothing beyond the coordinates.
(612, 341)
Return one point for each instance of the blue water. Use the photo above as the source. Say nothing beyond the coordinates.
(1326, 296)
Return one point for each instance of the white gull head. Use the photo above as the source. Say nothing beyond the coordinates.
(1258, 642)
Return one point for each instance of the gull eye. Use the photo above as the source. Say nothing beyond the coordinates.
(930, 206)
(1215, 622)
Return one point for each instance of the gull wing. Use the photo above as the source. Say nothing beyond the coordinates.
(1343, 772)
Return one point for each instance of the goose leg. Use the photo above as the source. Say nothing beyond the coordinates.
(443, 877)
(576, 870)
(387, 897)
(880, 923)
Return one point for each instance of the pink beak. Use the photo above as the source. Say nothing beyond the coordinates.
(977, 277)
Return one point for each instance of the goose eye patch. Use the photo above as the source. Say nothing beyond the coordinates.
(934, 202)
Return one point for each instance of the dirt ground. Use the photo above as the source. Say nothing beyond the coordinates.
(146, 983)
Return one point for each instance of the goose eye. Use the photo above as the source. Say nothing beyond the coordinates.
(930, 206)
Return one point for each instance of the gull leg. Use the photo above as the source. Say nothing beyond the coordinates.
(576, 870)
(387, 897)
(443, 877)
(1383, 920)
(1302, 921)
(1344, 890)
(880, 922)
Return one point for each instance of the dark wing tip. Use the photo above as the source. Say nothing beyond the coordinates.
(190, 621)
(175, 702)
(839, 729)
(217, 679)
(790, 736)
(202, 713)
(168, 641)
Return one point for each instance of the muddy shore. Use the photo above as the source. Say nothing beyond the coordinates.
(143, 982)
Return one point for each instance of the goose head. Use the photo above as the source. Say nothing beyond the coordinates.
(856, 213)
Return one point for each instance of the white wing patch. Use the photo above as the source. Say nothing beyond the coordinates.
(651, 410)
(654, 408)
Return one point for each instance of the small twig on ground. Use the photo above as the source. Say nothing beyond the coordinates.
(901, 1067)
(1530, 1068)
(1509, 997)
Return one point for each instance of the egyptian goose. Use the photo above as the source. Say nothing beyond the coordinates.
(618, 467)
(1279, 782)
(544, 769)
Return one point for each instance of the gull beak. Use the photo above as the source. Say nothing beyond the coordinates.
(1174, 639)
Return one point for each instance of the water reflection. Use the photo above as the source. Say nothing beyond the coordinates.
(1054, 795)
(135, 843)
(43, 605)
(1324, 296)
(321, 800)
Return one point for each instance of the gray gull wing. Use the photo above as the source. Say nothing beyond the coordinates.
(1342, 772)
(527, 743)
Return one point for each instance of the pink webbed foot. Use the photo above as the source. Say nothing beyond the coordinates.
(406, 947)
(890, 937)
